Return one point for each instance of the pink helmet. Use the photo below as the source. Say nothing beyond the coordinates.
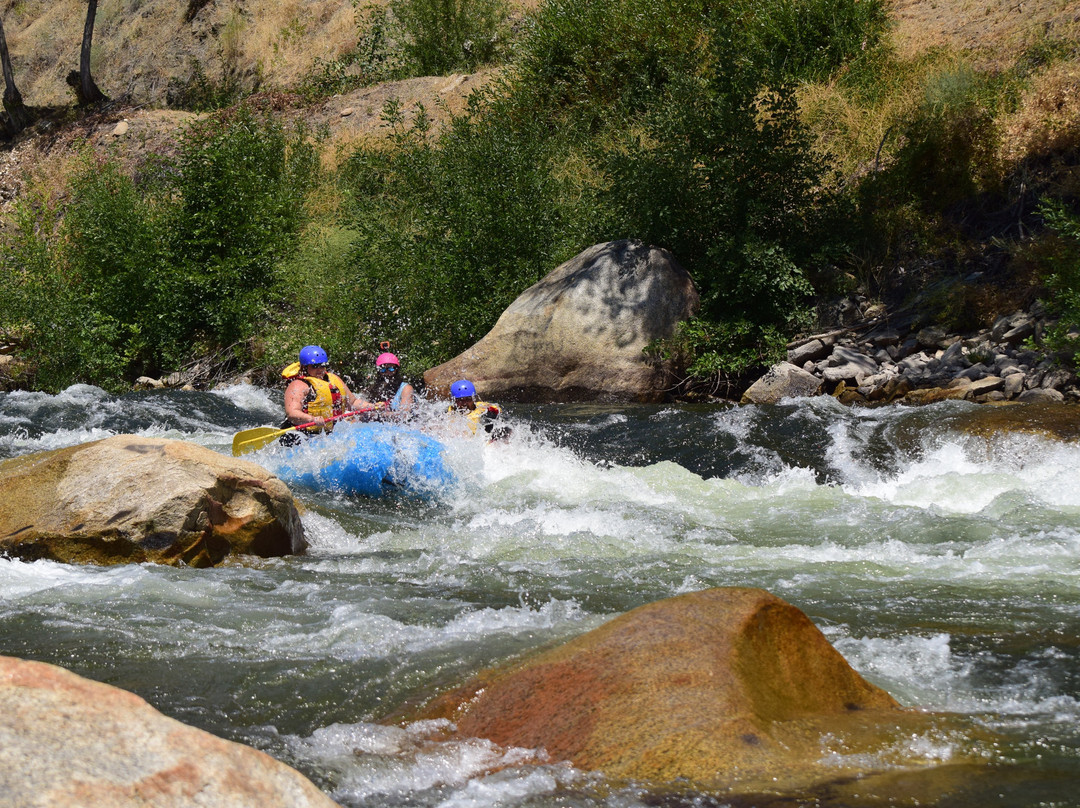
(387, 359)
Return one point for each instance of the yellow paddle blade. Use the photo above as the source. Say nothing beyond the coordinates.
(251, 439)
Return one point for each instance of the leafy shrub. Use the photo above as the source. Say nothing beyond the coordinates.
(241, 182)
(934, 172)
(446, 35)
(136, 277)
(620, 119)
(449, 231)
(728, 185)
(1063, 279)
(718, 356)
(662, 120)
(201, 92)
(66, 333)
(378, 56)
(810, 39)
(951, 139)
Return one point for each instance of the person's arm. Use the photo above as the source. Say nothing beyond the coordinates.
(294, 404)
(355, 401)
(406, 397)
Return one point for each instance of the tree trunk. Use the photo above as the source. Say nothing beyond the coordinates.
(18, 115)
(88, 91)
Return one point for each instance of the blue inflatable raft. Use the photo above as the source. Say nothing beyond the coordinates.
(368, 459)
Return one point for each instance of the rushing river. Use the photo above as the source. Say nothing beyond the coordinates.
(944, 566)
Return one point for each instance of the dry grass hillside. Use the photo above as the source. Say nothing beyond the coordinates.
(142, 47)
(995, 31)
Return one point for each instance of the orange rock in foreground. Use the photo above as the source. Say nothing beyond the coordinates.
(728, 688)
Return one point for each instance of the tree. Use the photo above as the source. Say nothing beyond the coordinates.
(82, 82)
(18, 115)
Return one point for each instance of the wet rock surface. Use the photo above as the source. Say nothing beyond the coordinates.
(731, 689)
(70, 741)
(133, 499)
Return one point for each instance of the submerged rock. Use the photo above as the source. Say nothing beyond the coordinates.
(730, 689)
(1050, 419)
(69, 741)
(135, 499)
(578, 334)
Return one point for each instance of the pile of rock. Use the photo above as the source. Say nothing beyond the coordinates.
(887, 360)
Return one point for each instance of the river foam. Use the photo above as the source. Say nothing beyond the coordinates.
(943, 565)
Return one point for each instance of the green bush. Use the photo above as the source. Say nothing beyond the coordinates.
(68, 335)
(950, 140)
(643, 119)
(201, 92)
(729, 185)
(1062, 279)
(668, 121)
(445, 35)
(810, 39)
(586, 66)
(136, 277)
(449, 231)
(935, 174)
(718, 355)
(240, 186)
(378, 56)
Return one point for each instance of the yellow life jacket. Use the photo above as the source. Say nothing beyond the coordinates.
(324, 397)
(489, 412)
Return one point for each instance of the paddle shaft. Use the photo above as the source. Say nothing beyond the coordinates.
(252, 439)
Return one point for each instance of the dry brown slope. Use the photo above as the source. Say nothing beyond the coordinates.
(141, 45)
(995, 30)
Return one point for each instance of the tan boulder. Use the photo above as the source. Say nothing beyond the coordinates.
(782, 380)
(578, 334)
(731, 689)
(956, 390)
(134, 499)
(69, 741)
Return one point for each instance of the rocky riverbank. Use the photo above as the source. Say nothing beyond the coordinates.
(886, 359)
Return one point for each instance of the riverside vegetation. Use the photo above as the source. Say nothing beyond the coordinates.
(787, 153)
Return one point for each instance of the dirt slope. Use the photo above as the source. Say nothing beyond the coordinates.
(994, 30)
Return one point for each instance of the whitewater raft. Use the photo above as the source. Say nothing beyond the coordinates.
(367, 459)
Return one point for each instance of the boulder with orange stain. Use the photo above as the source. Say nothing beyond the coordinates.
(730, 688)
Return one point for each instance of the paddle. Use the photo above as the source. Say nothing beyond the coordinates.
(251, 439)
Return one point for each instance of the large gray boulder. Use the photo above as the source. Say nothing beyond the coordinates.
(70, 741)
(131, 499)
(578, 334)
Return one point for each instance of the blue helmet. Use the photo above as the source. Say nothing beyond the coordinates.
(313, 355)
(462, 389)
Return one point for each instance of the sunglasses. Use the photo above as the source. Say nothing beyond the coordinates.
(387, 368)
